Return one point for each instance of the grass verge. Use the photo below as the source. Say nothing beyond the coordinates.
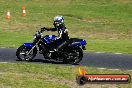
(29, 75)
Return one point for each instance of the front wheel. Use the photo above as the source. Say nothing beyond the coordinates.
(22, 51)
(74, 56)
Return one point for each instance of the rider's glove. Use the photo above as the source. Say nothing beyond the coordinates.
(42, 29)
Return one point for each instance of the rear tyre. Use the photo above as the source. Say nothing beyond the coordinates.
(74, 56)
(22, 51)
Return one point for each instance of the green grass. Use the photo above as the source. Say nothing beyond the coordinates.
(105, 24)
(27, 75)
(111, 46)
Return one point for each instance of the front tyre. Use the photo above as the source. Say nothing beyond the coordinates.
(22, 51)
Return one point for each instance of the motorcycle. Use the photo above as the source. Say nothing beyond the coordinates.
(72, 53)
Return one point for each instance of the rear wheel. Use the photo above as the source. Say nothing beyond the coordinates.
(74, 56)
(22, 51)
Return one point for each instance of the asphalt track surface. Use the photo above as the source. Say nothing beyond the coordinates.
(99, 60)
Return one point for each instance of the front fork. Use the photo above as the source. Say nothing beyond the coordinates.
(32, 48)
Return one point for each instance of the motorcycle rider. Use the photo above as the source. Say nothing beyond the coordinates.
(62, 31)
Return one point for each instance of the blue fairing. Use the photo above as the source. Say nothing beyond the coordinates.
(49, 38)
(79, 43)
(30, 45)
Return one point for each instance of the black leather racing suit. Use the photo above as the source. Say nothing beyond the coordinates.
(62, 35)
